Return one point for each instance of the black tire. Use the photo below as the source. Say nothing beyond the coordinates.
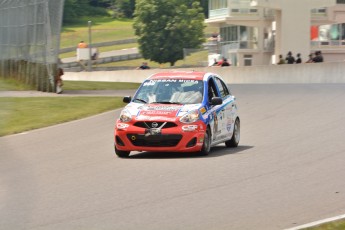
(235, 139)
(121, 154)
(206, 146)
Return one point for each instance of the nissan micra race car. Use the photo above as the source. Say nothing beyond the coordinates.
(178, 112)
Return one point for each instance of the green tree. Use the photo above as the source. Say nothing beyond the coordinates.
(165, 27)
(204, 5)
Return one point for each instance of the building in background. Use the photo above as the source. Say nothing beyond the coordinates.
(256, 32)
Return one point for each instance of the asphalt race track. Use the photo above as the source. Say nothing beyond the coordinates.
(289, 170)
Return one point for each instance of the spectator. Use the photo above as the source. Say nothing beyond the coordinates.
(321, 56)
(318, 57)
(299, 59)
(281, 60)
(58, 80)
(214, 36)
(143, 66)
(289, 58)
(310, 60)
(94, 55)
(82, 44)
(220, 62)
(215, 62)
(225, 62)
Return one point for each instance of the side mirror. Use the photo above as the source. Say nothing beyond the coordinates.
(127, 99)
(216, 101)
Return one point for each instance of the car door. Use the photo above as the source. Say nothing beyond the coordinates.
(227, 113)
(216, 111)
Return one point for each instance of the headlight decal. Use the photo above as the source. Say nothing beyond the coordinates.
(125, 116)
(190, 117)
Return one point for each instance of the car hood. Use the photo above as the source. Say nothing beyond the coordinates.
(164, 112)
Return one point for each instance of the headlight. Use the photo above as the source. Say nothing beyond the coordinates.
(190, 117)
(125, 116)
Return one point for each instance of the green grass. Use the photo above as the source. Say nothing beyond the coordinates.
(103, 29)
(92, 85)
(14, 85)
(335, 225)
(22, 114)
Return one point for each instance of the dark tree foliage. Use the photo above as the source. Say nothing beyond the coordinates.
(74, 9)
(101, 3)
(125, 7)
(204, 5)
(165, 27)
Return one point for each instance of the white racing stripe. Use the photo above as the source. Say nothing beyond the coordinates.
(312, 224)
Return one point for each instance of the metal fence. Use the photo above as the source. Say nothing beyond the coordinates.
(30, 40)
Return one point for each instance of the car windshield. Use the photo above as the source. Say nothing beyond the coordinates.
(170, 91)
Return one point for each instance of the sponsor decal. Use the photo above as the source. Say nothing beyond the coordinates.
(203, 110)
(228, 127)
(122, 126)
(154, 118)
(153, 81)
(161, 110)
(229, 124)
(156, 113)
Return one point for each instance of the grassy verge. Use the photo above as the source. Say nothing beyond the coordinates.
(335, 225)
(91, 85)
(23, 114)
(13, 85)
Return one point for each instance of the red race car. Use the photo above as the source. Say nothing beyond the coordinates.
(178, 112)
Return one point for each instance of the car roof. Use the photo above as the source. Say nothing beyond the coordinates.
(179, 75)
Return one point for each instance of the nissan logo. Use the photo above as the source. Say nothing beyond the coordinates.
(154, 124)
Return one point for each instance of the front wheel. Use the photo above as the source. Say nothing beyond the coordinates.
(206, 147)
(235, 139)
(121, 153)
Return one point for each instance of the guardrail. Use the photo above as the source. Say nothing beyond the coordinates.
(81, 64)
(101, 44)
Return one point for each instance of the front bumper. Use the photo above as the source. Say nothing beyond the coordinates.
(129, 137)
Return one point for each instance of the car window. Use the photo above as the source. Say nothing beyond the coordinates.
(223, 89)
(212, 90)
(172, 91)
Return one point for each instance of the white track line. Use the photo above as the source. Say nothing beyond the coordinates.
(317, 222)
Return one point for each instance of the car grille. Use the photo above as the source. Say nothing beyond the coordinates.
(141, 124)
(162, 140)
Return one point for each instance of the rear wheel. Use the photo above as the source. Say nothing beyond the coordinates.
(121, 153)
(235, 139)
(206, 147)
